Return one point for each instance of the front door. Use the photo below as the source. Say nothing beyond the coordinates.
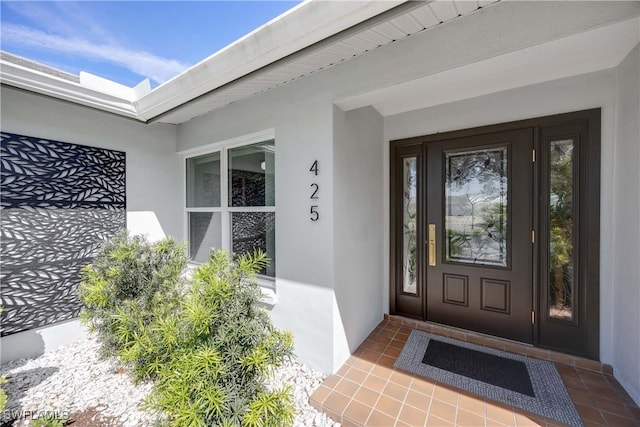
(479, 223)
(496, 230)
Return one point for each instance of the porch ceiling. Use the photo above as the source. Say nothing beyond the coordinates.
(599, 49)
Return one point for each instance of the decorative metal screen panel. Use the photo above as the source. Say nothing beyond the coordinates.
(59, 202)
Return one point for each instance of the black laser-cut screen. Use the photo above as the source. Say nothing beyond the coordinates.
(59, 203)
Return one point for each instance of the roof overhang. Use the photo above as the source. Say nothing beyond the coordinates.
(370, 31)
(86, 89)
(299, 28)
(308, 38)
(317, 35)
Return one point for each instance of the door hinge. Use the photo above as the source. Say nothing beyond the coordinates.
(533, 317)
(534, 156)
(533, 236)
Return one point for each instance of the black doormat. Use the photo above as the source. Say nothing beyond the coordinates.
(488, 368)
(529, 384)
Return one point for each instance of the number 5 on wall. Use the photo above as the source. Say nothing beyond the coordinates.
(314, 213)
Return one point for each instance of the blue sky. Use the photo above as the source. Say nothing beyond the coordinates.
(128, 41)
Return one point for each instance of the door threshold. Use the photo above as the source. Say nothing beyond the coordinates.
(501, 344)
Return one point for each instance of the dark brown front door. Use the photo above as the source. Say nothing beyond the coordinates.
(479, 223)
(496, 230)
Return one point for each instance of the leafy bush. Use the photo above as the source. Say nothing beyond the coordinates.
(226, 351)
(130, 283)
(3, 395)
(49, 422)
(206, 342)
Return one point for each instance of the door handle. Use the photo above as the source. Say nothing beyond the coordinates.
(432, 245)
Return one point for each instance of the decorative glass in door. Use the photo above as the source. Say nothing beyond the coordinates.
(561, 230)
(476, 207)
(409, 225)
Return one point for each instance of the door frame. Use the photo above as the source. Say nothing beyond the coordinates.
(589, 221)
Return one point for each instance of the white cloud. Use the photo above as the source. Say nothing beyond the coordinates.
(140, 62)
(65, 17)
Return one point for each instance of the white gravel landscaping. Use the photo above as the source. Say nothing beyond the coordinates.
(73, 379)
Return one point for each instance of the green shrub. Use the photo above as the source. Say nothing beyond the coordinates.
(3, 380)
(3, 395)
(206, 342)
(129, 284)
(49, 422)
(226, 349)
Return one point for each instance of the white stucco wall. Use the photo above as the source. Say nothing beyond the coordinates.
(33, 343)
(153, 180)
(302, 121)
(358, 247)
(626, 228)
(329, 272)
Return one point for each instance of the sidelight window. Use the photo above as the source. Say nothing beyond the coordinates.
(409, 226)
(561, 226)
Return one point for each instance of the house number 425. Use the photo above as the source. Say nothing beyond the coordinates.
(314, 214)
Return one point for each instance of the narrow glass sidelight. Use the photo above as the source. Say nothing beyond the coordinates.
(476, 190)
(561, 226)
(409, 225)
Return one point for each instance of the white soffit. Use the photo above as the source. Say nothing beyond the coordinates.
(417, 17)
(591, 51)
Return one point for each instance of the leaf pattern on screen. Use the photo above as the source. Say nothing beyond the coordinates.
(60, 201)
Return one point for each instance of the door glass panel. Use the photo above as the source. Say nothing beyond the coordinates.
(409, 231)
(476, 207)
(561, 230)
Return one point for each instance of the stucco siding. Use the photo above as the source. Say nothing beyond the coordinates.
(626, 217)
(358, 247)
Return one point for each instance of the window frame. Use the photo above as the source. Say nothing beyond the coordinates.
(223, 147)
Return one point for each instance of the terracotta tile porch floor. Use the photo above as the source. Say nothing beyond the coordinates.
(367, 391)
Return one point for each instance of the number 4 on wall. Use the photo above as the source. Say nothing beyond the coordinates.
(314, 168)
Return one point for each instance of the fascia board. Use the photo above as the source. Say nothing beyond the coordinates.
(33, 81)
(302, 26)
(111, 88)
